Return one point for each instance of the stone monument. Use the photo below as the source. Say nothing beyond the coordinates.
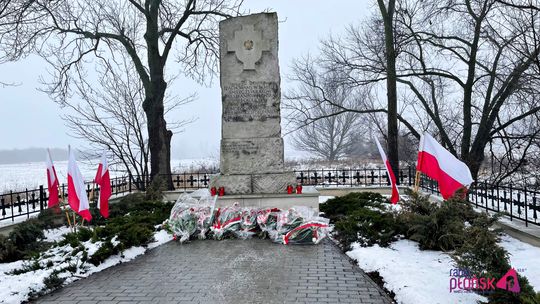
(251, 144)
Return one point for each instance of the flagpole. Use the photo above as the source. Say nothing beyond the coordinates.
(74, 222)
(74, 218)
(417, 181)
(63, 198)
(420, 159)
(65, 207)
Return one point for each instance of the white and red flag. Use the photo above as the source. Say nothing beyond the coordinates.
(439, 164)
(52, 181)
(103, 179)
(77, 198)
(395, 193)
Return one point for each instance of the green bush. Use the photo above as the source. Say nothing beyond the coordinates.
(361, 217)
(84, 234)
(53, 282)
(104, 251)
(342, 206)
(27, 267)
(132, 221)
(23, 242)
(135, 236)
(26, 234)
(436, 225)
(8, 250)
(451, 225)
(71, 239)
(368, 227)
(52, 218)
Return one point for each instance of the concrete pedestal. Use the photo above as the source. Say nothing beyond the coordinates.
(309, 198)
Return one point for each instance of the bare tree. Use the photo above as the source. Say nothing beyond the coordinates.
(469, 70)
(387, 11)
(70, 33)
(10, 49)
(318, 130)
(110, 117)
(485, 65)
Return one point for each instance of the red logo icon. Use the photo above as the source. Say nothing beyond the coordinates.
(509, 281)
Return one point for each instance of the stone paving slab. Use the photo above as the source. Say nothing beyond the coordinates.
(229, 271)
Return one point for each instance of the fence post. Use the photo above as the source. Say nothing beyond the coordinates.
(3, 201)
(511, 204)
(526, 209)
(41, 198)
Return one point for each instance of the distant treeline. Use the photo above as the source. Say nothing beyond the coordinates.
(30, 155)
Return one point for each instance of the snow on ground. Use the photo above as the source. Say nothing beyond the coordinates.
(17, 288)
(32, 175)
(323, 198)
(415, 276)
(56, 234)
(524, 256)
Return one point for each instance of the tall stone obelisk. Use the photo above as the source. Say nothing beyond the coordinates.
(251, 154)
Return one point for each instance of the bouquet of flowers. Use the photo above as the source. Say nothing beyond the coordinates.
(190, 216)
(227, 221)
(248, 223)
(267, 220)
(183, 223)
(300, 225)
(310, 232)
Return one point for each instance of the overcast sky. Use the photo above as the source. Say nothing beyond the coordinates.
(28, 118)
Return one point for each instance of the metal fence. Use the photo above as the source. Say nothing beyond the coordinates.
(518, 203)
(515, 202)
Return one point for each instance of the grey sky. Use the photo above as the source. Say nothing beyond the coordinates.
(28, 118)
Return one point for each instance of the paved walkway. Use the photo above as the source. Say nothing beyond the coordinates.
(230, 271)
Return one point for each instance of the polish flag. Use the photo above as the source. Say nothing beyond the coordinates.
(77, 198)
(395, 193)
(439, 164)
(104, 181)
(52, 181)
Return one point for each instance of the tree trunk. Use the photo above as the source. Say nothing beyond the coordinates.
(159, 138)
(387, 14)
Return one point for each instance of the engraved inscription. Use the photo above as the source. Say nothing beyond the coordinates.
(239, 148)
(250, 101)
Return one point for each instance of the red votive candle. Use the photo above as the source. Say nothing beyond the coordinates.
(289, 189)
(298, 189)
(221, 191)
(213, 191)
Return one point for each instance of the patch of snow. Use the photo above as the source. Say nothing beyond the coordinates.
(161, 237)
(323, 198)
(523, 256)
(126, 256)
(17, 288)
(415, 276)
(56, 234)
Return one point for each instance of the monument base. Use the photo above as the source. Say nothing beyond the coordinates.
(308, 198)
(264, 183)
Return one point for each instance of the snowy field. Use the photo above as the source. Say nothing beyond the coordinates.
(32, 175)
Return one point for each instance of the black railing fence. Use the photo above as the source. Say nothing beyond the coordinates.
(522, 204)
